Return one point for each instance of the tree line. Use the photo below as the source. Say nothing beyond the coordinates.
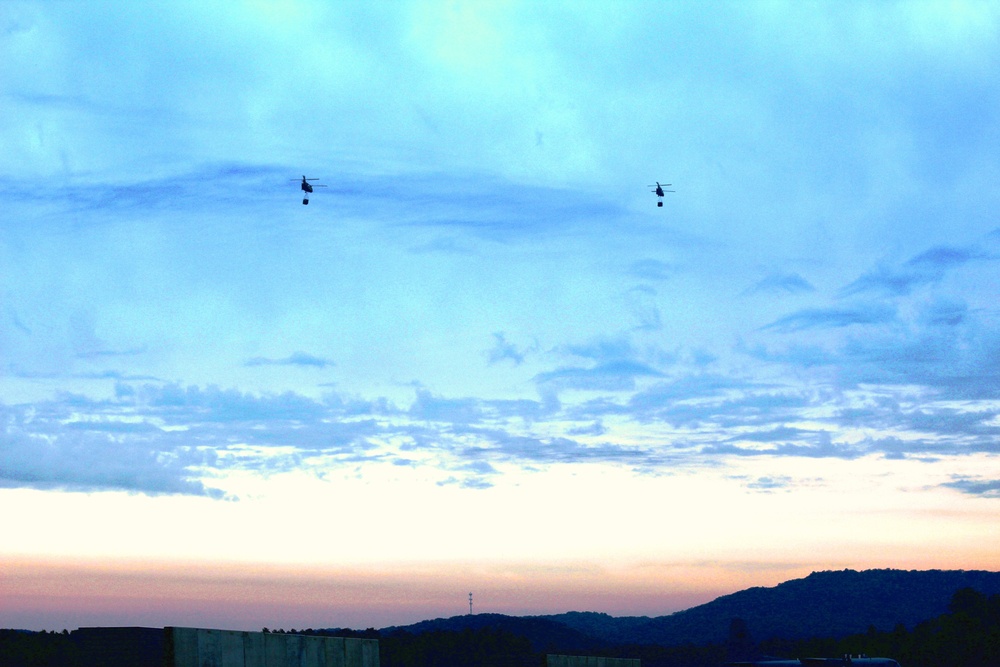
(968, 635)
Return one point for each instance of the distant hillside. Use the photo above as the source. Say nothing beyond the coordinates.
(543, 633)
(824, 604)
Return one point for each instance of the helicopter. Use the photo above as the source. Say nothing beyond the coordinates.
(307, 187)
(659, 191)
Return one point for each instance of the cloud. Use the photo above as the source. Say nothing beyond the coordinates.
(686, 387)
(818, 445)
(945, 312)
(160, 438)
(216, 186)
(833, 318)
(608, 376)
(780, 433)
(642, 302)
(781, 283)
(595, 429)
(985, 488)
(716, 405)
(295, 359)
(955, 356)
(927, 268)
(502, 445)
(932, 339)
(177, 404)
(953, 428)
(39, 453)
(482, 207)
(603, 349)
(165, 439)
(428, 407)
(474, 482)
(651, 269)
(504, 350)
(768, 484)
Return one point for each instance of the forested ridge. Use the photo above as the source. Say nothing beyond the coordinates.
(965, 634)
(823, 604)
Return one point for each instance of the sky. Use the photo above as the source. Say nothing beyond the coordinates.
(482, 359)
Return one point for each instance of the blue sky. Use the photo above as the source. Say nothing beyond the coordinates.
(483, 342)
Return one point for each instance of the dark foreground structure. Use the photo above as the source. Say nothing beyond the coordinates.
(846, 661)
(196, 647)
(552, 660)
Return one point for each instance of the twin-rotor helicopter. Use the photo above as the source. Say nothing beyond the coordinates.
(307, 189)
(658, 189)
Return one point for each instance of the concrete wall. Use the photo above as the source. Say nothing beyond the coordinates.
(589, 661)
(195, 647)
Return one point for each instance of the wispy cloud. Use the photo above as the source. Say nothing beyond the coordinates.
(504, 350)
(818, 445)
(833, 317)
(428, 407)
(651, 269)
(769, 484)
(779, 283)
(167, 437)
(604, 349)
(294, 359)
(927, 268)
(986, 488)
(609, 376)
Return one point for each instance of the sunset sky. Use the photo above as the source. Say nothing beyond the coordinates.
(482, 359)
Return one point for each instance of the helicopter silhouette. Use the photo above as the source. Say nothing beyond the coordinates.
(659, 191)
(307, 187)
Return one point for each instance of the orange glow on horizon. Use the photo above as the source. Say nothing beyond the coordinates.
(47, 593)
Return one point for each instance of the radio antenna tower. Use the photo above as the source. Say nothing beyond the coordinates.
(470, 604)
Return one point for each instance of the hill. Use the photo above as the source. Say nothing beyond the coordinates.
(823, 604)
(544, 634)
